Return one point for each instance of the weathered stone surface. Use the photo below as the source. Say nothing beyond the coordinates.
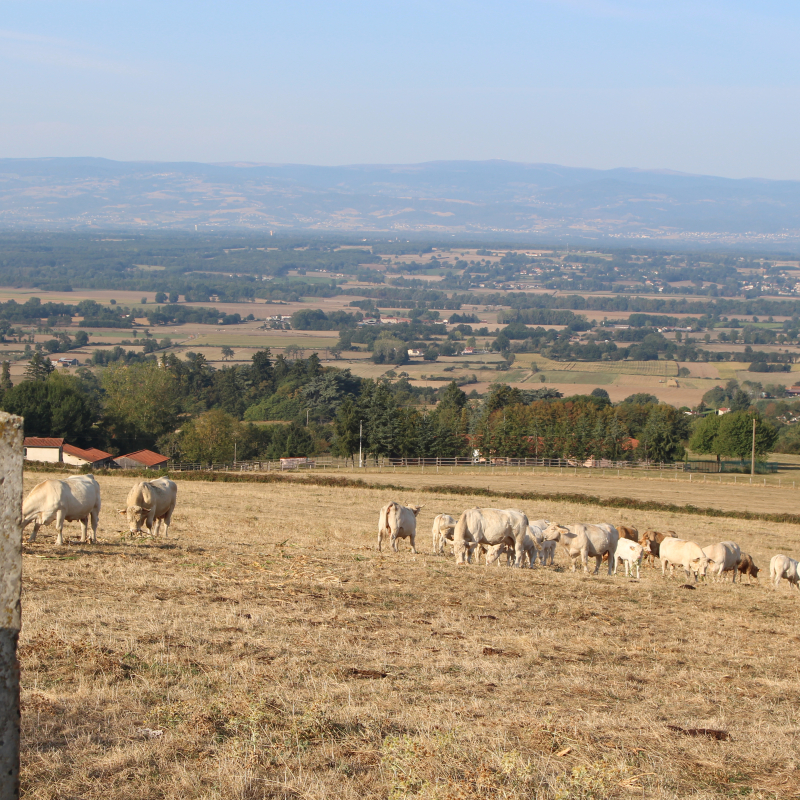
(10, 589)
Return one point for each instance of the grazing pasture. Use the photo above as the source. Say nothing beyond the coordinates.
(267, 650)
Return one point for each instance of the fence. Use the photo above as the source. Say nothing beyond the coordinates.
(739, 466)
(330, 462)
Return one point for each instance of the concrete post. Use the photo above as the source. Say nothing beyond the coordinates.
(10, 589)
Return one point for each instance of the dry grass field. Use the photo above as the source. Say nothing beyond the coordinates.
(267, 650)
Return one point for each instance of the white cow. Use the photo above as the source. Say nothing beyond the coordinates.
(582, 540)
(490, 526)
(68, 500)
(550, 538)
(689, 555)
(784, 567)
(536, 529)
(631, 553)
(151, 503)
(723, 557)
(398, 522)
(443, 527)
(530, 547)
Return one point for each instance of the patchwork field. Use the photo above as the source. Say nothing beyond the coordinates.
(263, 653)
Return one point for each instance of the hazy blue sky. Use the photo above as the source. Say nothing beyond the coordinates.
(708, 86)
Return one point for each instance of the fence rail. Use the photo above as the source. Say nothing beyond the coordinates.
(395, 463)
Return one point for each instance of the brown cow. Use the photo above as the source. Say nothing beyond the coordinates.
(654, 538)
(628, 533)
(747, 566)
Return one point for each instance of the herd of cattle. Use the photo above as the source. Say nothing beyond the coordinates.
(495, 532)
(491, 532)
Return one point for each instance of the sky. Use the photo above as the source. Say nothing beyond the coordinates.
(709, 86)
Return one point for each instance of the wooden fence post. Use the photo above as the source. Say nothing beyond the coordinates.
(10, 591)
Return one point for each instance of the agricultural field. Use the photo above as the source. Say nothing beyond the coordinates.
(260, 653)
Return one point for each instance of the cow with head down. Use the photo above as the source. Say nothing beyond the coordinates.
(151, 504)
(582, 541)
(678, 552)
(72, 499)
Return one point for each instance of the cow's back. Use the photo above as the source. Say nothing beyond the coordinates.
(81, 495)
(679, 551)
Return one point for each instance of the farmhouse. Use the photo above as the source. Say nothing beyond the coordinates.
(43, 449)
(82, 458)
(415, 353)
(142, 459)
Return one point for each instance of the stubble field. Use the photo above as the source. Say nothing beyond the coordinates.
(267, 650)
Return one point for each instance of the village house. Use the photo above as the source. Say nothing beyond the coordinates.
(142, 459)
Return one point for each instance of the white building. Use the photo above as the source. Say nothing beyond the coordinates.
(43, 449)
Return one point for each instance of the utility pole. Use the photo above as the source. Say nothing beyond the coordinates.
(307, 417)
(753, 451)
(360, 424)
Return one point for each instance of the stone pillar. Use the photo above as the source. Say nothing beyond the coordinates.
(10, 588)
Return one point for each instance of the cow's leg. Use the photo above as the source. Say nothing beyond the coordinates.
(84, 525)
(413, 542)
(95, 516)
(519, 553)
(166, 521)
(393, 542)
(36, 526)
(599, 561)
(380, 540)
(60, 528)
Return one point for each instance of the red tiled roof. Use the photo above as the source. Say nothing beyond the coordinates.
(147, 457)
(36, 441)
(92, 454)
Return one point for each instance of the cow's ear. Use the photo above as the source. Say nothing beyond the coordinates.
(123, 512)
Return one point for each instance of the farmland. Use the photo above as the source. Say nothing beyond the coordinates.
(262, 653)
(619, 378)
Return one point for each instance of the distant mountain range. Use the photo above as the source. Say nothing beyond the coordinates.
(476, 198)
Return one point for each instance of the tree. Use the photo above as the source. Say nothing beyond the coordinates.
(641, 399)
(5, 378)
(173, 297)
(161, 297)
(57, 407)
(601, 393)
(740, 401)
(735, 437)
(141, 403)
(210, 437)
(345, 426)
(663, 435)
(227, 352)
(81, 339)
(39, 368)
(704, 436)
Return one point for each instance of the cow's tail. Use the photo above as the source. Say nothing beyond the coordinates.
(384, 528)
(461, 538)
